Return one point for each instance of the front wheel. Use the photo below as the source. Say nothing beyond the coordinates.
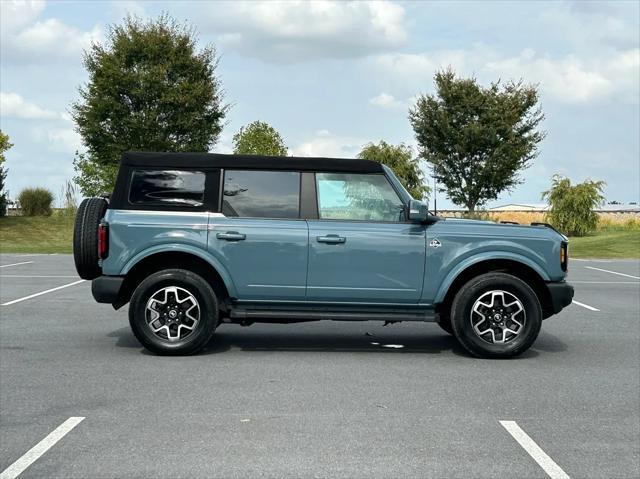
(496, 315)
(173, 312)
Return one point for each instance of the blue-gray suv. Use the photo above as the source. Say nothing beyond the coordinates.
(193, 240)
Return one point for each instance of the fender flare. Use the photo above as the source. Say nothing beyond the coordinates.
(479, 258)
(182, 248)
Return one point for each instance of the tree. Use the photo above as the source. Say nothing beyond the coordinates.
(572, 207)
(477, 139)
(259, 138)
(401, 160)
(149, 88)
(5, 144)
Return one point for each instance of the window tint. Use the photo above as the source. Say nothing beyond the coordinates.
(357, 197)
(167, 188)
(261, 194)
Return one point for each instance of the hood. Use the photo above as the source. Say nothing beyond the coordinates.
(508, 229)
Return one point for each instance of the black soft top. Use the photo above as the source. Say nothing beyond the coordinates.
(258, 162)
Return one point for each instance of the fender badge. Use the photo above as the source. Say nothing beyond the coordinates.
(435, 243)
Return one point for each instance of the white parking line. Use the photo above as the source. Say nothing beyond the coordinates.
(41, 293)
(544, 461)
(15, 264)
(591, 308)
(32, 455)
(613, 272)
(51, 276)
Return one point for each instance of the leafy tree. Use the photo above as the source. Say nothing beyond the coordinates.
(400, 159)
(572, 206)
(5, 144)
(149, 88)
(477, 139)
(259, 138)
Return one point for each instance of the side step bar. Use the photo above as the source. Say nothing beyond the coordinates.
(317, 315)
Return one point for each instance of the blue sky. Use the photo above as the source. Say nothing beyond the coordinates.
(333, 76)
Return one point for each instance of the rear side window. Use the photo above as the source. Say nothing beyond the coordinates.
(261, 194)
(167, 188)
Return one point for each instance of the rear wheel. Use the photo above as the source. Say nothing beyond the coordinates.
(496, 315)
(173, 312)
(85, 237)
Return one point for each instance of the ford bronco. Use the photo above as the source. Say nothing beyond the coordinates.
(192, 240)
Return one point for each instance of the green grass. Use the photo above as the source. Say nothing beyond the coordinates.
(606, 244)
(36, 234)
(53, 234)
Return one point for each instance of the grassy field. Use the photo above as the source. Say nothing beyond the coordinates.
(54, 235)
(606, 244)
(36, 234)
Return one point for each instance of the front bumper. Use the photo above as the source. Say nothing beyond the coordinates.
(561, 295)
(105, 289)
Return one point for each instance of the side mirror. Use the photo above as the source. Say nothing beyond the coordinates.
(418, 211)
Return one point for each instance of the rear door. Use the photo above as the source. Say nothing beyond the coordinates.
(361, 249)
(259, 236)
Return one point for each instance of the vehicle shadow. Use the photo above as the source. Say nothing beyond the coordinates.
(336, 343)
(549, 343)
(305, 341)
(427, 342)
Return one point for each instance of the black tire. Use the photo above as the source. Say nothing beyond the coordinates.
(85, 237)
(445, 323)
(193, 284)
(473, 291)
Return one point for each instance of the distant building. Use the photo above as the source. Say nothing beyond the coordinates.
(521, 207)
(542, 207)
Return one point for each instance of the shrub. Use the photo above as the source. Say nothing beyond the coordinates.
(35, 201)
(572, 207)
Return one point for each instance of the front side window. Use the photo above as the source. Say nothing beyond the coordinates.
(344, 196)
(167, 188)
(261, 194)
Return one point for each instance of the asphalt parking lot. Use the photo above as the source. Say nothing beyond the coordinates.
(325, 399)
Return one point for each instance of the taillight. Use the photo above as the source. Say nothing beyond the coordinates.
(103, 240)
(564, 256)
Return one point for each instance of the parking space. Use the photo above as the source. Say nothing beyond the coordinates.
(325, 399)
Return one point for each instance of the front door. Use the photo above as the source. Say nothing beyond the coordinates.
(361, 249)
(259, 237)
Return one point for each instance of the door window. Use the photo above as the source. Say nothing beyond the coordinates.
(357, 197)
(261, 194)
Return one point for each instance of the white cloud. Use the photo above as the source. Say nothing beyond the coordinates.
(57, 139)
(26, 39)
(567, 79)
(326, 144)
(572, 80)
(51, 36)
(19, 13)
(64, 140)
(14, 105)
(298, 30)
(122, 8)
(384, 100)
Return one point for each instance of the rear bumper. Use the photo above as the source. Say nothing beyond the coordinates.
(105, 289)
(561, 295)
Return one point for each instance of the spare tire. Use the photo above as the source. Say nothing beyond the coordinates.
(85, 237)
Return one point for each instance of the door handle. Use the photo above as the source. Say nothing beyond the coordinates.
(331, 239)
(232, 236)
